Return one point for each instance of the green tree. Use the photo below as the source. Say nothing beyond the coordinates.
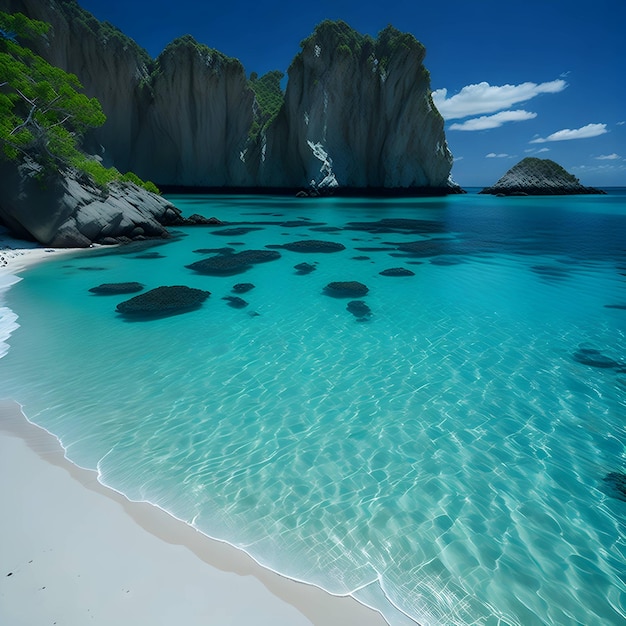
(43, 114)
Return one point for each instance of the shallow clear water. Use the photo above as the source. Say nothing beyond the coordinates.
(443, 461)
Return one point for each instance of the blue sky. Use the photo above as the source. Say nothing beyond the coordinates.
(538, 78)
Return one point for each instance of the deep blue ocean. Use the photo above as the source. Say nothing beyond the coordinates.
(451, 458)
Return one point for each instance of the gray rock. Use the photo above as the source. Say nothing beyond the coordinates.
(63, 210)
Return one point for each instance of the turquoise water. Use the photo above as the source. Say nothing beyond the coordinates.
(442, 461)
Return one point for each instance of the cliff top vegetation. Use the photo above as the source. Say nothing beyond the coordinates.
(343, 39)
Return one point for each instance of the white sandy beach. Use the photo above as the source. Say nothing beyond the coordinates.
(74, 552)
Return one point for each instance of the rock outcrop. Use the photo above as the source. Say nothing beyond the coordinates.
(62, 210)
(357, 112)
(538, 177)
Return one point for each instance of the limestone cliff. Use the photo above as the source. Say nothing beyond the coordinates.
(197, 110)
(533, 176)
(358, 113)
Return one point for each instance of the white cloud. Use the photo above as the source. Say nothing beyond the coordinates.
(493, 155)
(591, 130)
(493, 121)
(485, 98)
(543, 150)
(608, 157)
(621, 123)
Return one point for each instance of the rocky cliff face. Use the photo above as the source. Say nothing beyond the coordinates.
(532, 176)
(357, 111)
(197, 110)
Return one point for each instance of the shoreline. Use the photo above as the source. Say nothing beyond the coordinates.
(75, 549)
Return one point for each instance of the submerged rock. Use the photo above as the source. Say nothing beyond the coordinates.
(617, 483)
(595, 358)
(107, 289)
(236, 302)
(359, 309)
(236, 263)
(242, 287)
(346, 289)
(313, 245)
(235, 232)
(163, 301)
(538, 177)
(304, 268)
(397, 271)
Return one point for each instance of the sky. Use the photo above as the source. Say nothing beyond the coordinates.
(512, 79)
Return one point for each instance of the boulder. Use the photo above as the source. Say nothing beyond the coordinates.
(64, 209)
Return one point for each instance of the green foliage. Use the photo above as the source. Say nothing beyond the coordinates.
(43, 115)
(269, 97)
(346, 42)
(104, 31)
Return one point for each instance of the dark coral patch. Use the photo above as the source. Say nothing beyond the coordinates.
(110, 289)
(595, 358)
(225, 250)
(163, 301)
(359, 309)
(148, 255)
(236, 263)
(235, 232)
(314, 245)
(617, 484)
(398, 225)
(346, 289)
(304, 268)
(236, 302)
(397, 271)
(242, 287)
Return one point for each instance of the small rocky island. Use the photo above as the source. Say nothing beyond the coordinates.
(538, 177)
